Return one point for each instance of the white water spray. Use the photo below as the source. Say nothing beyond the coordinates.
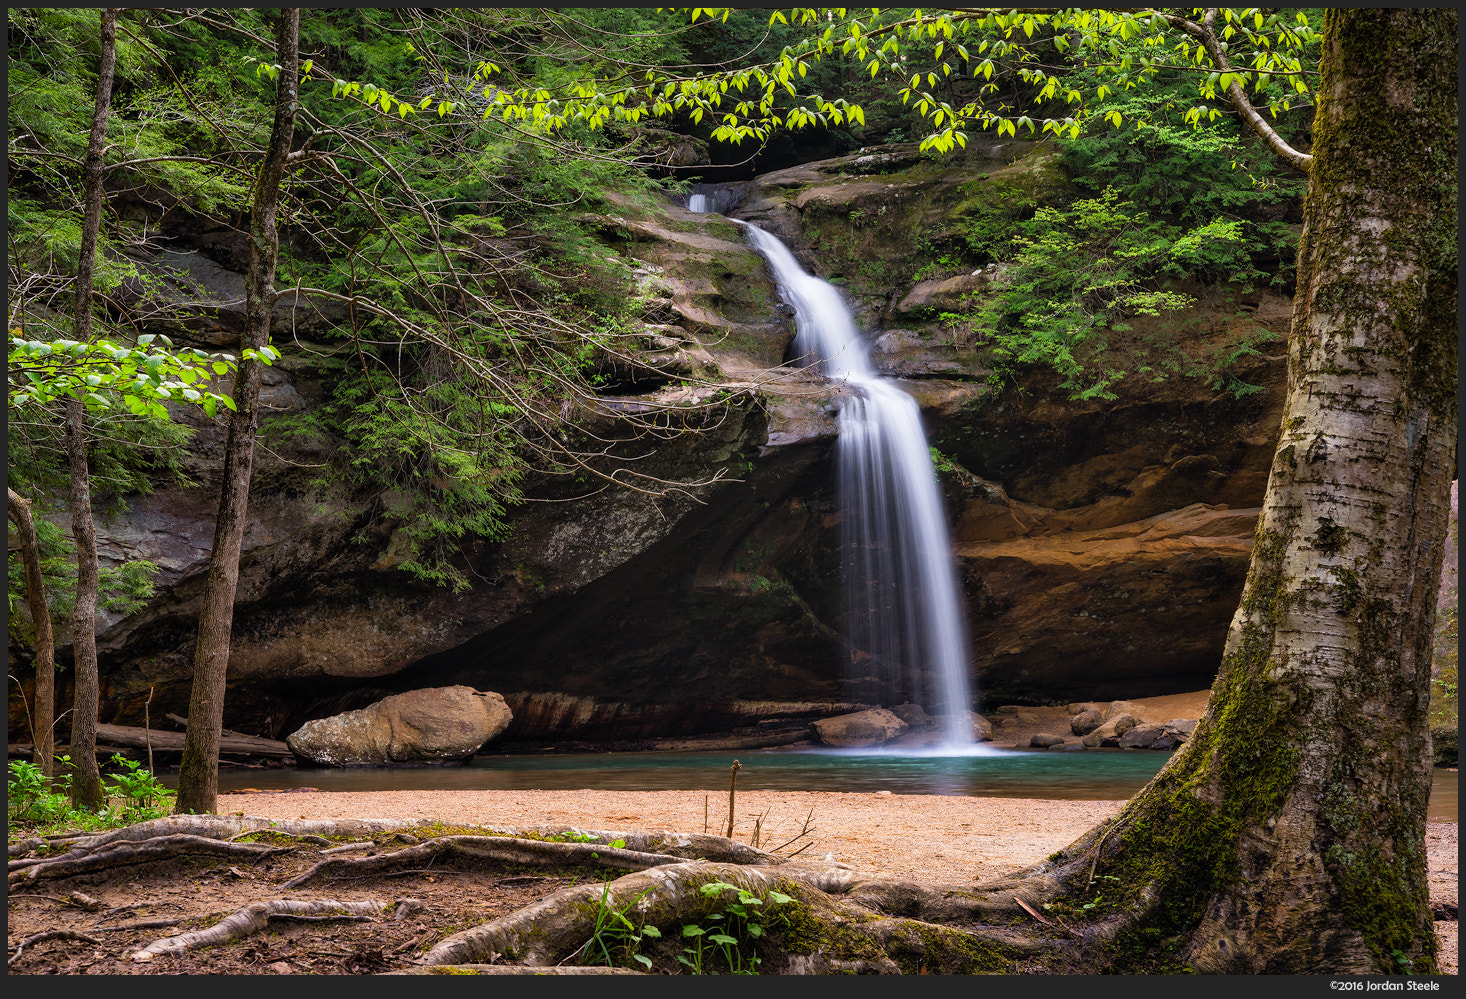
(906, 626)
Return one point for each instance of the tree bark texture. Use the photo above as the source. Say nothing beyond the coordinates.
(198, 778)
(43, 711)
(1288, 835)
(86, 785)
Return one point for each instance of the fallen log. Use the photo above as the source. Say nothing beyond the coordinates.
(172, 742)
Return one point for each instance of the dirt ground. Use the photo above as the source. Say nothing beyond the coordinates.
(936, 839)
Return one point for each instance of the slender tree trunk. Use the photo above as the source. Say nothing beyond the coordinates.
(198, 778)
(86, 786)
(1288, 835)
(43, 711)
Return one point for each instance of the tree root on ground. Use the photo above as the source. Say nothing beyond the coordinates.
(825, 918)
(124, 854)
(500, 849)
(49, 935)
(228, 827)
(833, 925)
(255, 917)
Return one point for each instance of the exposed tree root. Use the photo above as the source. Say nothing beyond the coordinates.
(687, 846)
(125, 854)
(229, 826)
(49, 935)
(502, 849)
(831, 927)
(255, 917)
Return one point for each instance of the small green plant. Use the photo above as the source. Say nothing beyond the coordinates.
(939, 267)
(35, 798)
(725, 934)
(615, 937)
(142, 797)
(941, 462)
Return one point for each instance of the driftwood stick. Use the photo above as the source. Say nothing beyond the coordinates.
(147, 730)
(732, 787)
(800, 835)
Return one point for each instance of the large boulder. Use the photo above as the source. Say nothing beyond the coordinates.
(1110, 732)
(982, 729)
(434, 725)
(863, 728)
(1141, 736)
(1085, 722)
(1180, 729)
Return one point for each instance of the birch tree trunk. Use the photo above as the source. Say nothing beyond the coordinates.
(198, 777)
(43, 710)
(1288, 835)
(86, 785)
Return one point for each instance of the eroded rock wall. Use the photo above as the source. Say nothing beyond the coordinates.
(1102, 544)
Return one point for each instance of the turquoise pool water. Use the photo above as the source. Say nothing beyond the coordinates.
(1095, 775)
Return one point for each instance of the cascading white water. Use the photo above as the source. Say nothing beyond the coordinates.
(905, 622)
(698, 203)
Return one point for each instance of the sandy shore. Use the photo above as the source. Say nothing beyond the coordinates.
(931, 838)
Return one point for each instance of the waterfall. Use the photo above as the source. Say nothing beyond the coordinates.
(906, 625)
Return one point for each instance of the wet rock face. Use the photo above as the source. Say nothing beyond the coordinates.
(441, 725)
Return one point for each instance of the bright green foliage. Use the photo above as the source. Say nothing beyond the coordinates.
(106, 375)
(1069, 59)
(38, 805)
(1080, 273)
(137, 792)
(32, 797)
(726, 939)
(1182, 172)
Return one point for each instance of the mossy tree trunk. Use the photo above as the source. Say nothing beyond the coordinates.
(1288, 836)
(86, 783)
(198, 776)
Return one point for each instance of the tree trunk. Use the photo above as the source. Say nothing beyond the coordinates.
(1288, 835)
(198, 777)
(43, 711)
(86, 786)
